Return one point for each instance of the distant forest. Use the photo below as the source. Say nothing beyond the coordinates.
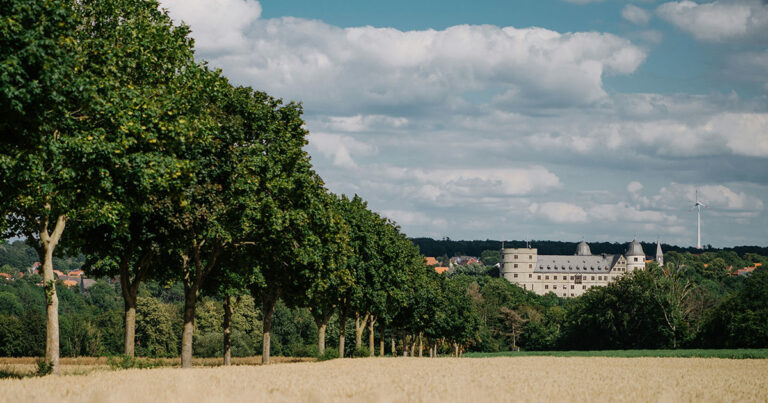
(450, 248)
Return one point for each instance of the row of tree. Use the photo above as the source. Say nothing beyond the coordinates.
(115, 143)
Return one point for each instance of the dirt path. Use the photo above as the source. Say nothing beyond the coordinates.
(413, 379)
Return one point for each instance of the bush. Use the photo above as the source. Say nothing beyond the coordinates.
(127, 362)
(303, 350)
(361, 352)
(44, 368)
(330, 354)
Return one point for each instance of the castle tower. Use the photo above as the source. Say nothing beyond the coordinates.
(635, 256)
(517, 265)
(659, 254)
(583, 249)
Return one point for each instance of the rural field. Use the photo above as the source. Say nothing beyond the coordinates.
(416, 379)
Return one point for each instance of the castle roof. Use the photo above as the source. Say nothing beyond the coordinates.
(575, 264)
(635, 249)
(658, 249)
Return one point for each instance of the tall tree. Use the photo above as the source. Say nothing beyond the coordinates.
(137, 54)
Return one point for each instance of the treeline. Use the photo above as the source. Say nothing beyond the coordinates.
(694, 301)
(115, 144)
(449, 248)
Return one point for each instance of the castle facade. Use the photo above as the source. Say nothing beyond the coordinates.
(570, 275)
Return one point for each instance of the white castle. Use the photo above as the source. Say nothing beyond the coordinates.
(570, 275)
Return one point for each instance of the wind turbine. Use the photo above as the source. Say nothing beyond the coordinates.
(698, 205)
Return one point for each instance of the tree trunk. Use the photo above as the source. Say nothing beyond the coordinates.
(321, 338)
(421, 344)
(190, 300)
(413, 346)
(394, 349)
(268, 301)
(359, 329)
(456, 349)
(48, 243)
(227, 330)
(342, 331)
(371, 337)
(130, 322)
(382, 331)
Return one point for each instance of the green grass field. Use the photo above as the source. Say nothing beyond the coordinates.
(700, 353)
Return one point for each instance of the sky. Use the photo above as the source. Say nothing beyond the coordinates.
(494, 119)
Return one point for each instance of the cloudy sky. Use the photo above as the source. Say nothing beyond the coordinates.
(491, 119)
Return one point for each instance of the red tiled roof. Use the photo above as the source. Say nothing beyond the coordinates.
(431, 261)
(6, 275)
(69, 283)
(58, 273)
(76, 273)
(441, 269)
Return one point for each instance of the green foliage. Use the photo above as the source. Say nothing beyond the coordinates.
(127, 362)
(44, 368)
(329, 354)
(361, 352)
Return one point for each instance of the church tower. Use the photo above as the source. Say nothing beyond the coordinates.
(659, 254)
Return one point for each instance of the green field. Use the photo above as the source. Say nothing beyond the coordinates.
(701, 353)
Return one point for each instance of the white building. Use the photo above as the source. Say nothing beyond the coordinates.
(570, 276)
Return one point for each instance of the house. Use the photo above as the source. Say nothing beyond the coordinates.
(6, 276)
(59, 274)
(69, 283)
(431, 261)
(747, 270)
(75, 273)
(441, 269)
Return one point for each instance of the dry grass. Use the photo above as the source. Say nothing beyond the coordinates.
(85, 365)
(414, 379)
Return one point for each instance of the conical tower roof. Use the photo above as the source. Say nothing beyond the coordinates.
(583, 249)
(658, 249)
(635, 249)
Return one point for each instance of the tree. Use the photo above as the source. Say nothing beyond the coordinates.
(46, 176)
(138, 55)
(673, 294)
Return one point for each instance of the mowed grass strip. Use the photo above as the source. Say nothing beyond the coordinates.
(759, 353)
(415, 379)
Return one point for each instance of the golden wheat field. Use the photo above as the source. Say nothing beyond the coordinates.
(415, 379)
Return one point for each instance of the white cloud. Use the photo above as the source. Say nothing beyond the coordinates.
(411, 218)
(340, 148)
(718, 21)
(217, 25)
(625, 213)
(342, 69)
(634, 187)
(679, 196)
(636, 15)
(559, 212)
(363, 123)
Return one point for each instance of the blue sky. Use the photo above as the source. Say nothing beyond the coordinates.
(534, 119)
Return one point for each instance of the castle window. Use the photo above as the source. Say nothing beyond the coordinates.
(515, 256)
(546, 277)
(530, 266)
(515, 265)
(571, 294)
(564, 294)
(571, 286)
(539, 277)
(635, 259)
(555, 277)
(600, 278)
(546, 286)
(571, 277)
(515, 275)
(593, 277)
(530, 256)
(530, 275)
(583, 287)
